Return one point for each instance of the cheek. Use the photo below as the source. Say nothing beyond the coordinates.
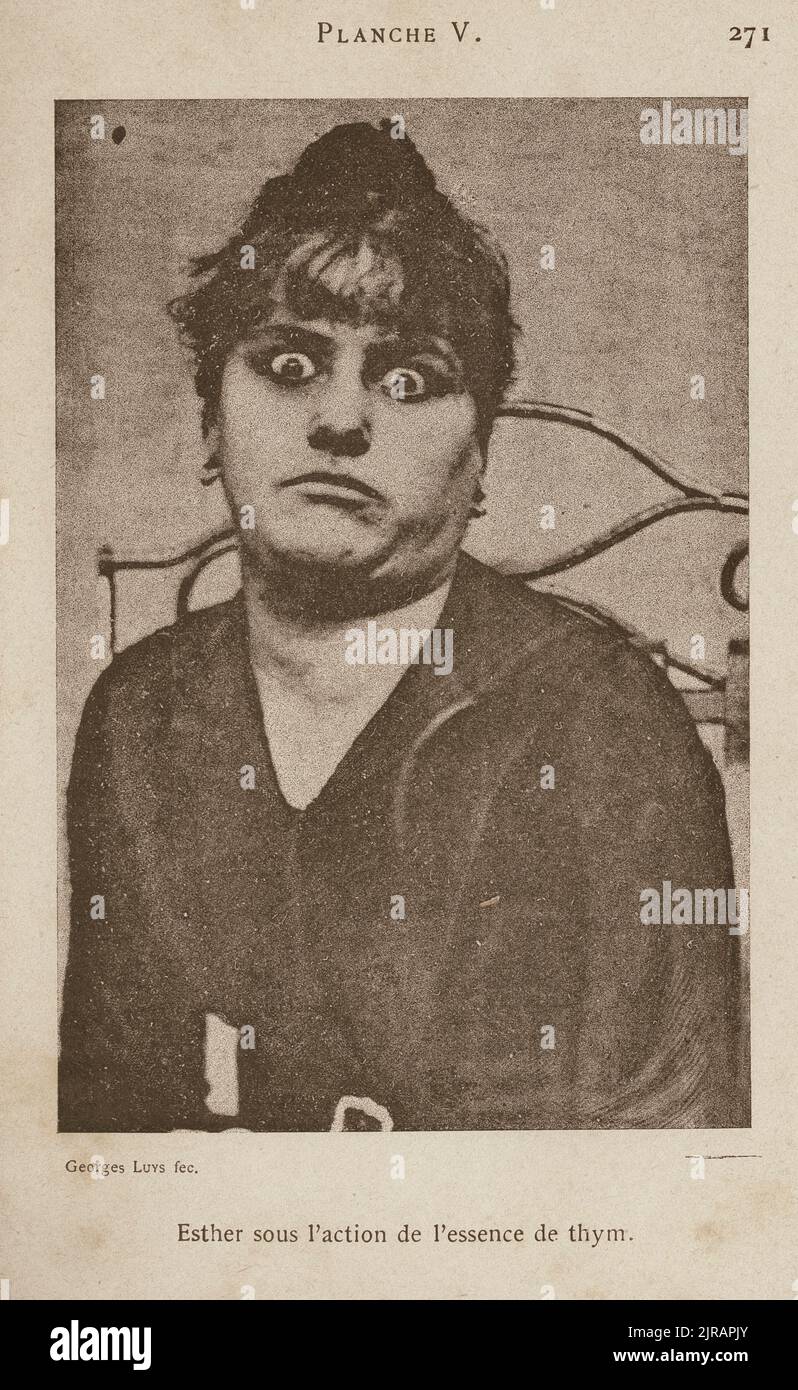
(432, 447)
(255, 423)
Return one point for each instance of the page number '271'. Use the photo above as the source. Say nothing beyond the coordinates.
(736, 35)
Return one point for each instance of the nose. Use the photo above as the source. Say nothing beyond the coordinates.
(341, 424)
(341, 443)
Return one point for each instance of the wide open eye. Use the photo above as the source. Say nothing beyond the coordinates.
(404, 384)
(291, 368)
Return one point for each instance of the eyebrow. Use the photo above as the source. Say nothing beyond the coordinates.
(405, 343)
(415, 345)
(291, 333)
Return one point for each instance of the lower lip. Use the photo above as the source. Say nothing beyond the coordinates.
(334, 492)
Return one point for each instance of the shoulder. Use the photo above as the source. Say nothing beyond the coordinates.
(528, 622)
(537, 654)
(527, 632)
(631, 767)
(144, 678)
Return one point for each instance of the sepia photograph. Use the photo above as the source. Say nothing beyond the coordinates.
(402, 702)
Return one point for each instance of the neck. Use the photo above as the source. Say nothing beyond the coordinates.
(300, 643)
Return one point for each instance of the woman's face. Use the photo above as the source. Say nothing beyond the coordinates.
(355, 446)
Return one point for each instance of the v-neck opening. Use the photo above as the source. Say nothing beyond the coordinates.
(417, 700)
(357, 750)
(401, 710)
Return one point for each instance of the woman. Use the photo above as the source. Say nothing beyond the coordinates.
(412, 899)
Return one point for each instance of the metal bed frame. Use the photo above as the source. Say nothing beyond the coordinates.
(721, 698)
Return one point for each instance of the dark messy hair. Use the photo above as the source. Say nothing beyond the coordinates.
(358, 232)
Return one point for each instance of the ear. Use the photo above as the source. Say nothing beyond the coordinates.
(211, 435)
(212, 468)
(479, 457)
(477, 509)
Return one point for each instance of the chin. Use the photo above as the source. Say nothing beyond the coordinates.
(333, 583)
(325, 541)
(308, 560)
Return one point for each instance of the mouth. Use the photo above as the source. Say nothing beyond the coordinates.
(324, 485)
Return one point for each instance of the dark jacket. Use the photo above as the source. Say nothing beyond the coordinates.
(522, 902)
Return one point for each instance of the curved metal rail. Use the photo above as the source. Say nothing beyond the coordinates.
(692, 497)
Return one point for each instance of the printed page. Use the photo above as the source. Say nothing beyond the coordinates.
(399, 842)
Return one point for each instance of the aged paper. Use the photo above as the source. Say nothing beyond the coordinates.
(446, 827)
